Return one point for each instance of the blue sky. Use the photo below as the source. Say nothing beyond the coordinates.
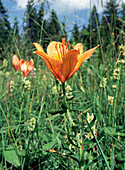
(70, 11)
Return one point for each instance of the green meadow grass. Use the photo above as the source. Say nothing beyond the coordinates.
(39, 131)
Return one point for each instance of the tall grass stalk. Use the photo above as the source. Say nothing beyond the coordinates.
(115, 104)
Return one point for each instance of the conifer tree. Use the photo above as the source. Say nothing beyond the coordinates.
(110, 24)
(53, 28)
(85, 36)
(94, 18)
(75, 35)
(123, 11)
(30, 22)
(42, 23)
(5, 28)
(94, 23)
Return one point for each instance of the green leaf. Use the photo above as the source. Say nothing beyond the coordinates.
(91, 124)
(119, 134)
(63, 163)
(88, 142)
(49, 145)
(1, 165)
(71, 141)
(57, 111)
(21, 153)
(109, 130)
(11, 156)
(53, 117)
(94, 161)
(69, 117)
(81, 162)
(74, 157)
(59, 129)
(83, 108)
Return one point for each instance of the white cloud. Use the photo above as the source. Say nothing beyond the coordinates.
(70, 6)
(63, 7)
(21, 4)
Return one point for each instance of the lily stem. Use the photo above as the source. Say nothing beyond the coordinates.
(64, 97)
(63, 86)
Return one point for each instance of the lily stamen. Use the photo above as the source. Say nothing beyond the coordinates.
(59, 52)
(63, 46)
(69, 46)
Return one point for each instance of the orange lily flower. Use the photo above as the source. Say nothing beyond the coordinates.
(16, 62)
(25, 67)
(61, 61)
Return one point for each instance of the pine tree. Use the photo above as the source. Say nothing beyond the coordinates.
(30, 22)
(64, 29)
(94, 18)
(123, 11)
(5, 29)
(85, 36)
(42, 23)
(110, 24)
(93, 25)
(75, 35)
(53, 28)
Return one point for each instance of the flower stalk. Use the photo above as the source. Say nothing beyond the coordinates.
(64, 106)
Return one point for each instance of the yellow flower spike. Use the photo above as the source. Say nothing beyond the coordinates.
(60, 60)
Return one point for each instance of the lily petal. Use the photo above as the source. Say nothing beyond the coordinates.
(79, 47)
(53, 50)
(30, 65)
(38, 47)
(45, 57)
(83, 57)
(69, 63)
(53, 65)
(16, 62)
(23, 67)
